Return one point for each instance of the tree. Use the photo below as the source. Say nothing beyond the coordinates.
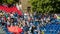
(8, 1)
(44, 6)
(0, 1)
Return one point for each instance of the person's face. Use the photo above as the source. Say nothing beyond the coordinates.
(55, 16)
(11, 20)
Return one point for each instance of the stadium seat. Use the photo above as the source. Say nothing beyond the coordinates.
(51, 28)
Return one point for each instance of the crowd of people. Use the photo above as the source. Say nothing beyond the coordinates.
(30, 23)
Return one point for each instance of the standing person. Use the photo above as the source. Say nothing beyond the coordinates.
(42, 20)
(26, 28)
(12, 21)
(26, 14)
(19, 6)
(33, 30)
(27, 17)
(0, 19)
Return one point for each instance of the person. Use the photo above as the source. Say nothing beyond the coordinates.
(26, 28)
(43, 19)
(54, 19)
(33, 29)
(19, 6)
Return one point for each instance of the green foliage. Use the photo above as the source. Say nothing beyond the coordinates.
(44, 6)
(0, 1)
(8, 1)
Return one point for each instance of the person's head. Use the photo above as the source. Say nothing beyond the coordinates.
(12, 20)
(25, 24)
(8, 18)
(1, 14)
(55, 16)
(42, 16)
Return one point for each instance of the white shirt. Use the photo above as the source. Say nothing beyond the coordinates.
(19, 6)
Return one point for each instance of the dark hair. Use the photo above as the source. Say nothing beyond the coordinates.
(0, 11)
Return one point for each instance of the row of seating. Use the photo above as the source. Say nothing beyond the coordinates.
(51, 28)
